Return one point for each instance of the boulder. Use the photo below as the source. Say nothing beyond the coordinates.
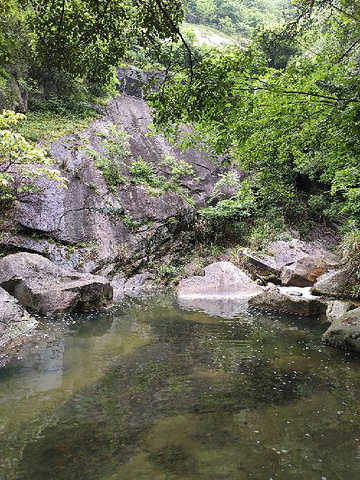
(338, 308)
(288, 300)
(223, 291)
(341, 283)
(221, 280)
(14, 320)
(42, 286)
(344, 332)
(294, 263)
(303, 273)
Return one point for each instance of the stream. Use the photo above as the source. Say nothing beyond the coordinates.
(149, 391)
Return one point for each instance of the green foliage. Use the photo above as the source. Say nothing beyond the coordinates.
(167, 52)
(49, 126)
(116, 144)
(142, 172)
(167, 272)
(239, 206)
(235, 17)
(21, 163)
(350, 247)
(178, 168)
(295, 130)
(88, 38)
(131, 223)
(277, 46)
(112, 161)
(58, 56)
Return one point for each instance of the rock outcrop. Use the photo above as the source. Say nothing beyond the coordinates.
(344, 332)
(40, 285)
(103, 217)
(14, 320)
(295, 263)
(288, 300)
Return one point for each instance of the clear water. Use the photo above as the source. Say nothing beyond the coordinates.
(148, 391)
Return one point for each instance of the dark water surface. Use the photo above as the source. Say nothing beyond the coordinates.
(148, 391)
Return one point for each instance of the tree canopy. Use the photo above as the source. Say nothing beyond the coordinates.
(57, 46)
(88, 37)
(290, 120)
(235, 17)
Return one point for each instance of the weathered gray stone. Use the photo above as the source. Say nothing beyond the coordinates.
(294, 263)
(345, 331)
(288, 301)
(42, 286)
(222, 280)
(338, 308)
(14, 320)
(264, 265)
(224, 291)
(91, 225)
(302, 273)
(341, 283)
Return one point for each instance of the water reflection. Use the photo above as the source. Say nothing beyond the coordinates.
(149, 391)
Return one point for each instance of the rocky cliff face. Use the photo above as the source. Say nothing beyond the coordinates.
(130, 196)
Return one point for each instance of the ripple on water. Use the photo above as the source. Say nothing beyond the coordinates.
(148, 391)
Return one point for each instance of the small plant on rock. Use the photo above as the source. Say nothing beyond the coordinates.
(21, 163)
(142, 172)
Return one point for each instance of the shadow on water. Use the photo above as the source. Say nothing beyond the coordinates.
(149, 391)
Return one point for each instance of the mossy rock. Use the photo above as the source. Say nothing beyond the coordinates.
(342, 283)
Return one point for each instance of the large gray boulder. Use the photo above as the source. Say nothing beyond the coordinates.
(221, 280)
(342, 283)
(42, 286)
(338, 308)
(14, 320)
(294, 263)
(344, 332)
(287, 300)
(223, 291)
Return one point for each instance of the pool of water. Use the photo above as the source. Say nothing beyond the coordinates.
(150, 391)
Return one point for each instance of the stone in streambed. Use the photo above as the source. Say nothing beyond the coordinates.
(345, 331)
(223, 291)
(40, 285)
(221, 280)
(341, 283)
(288, 300)
(295, 263)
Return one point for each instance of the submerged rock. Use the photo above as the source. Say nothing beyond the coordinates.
(345, 331)
(14, 320)
(288, 301)
(215, 307)
(39, 284)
